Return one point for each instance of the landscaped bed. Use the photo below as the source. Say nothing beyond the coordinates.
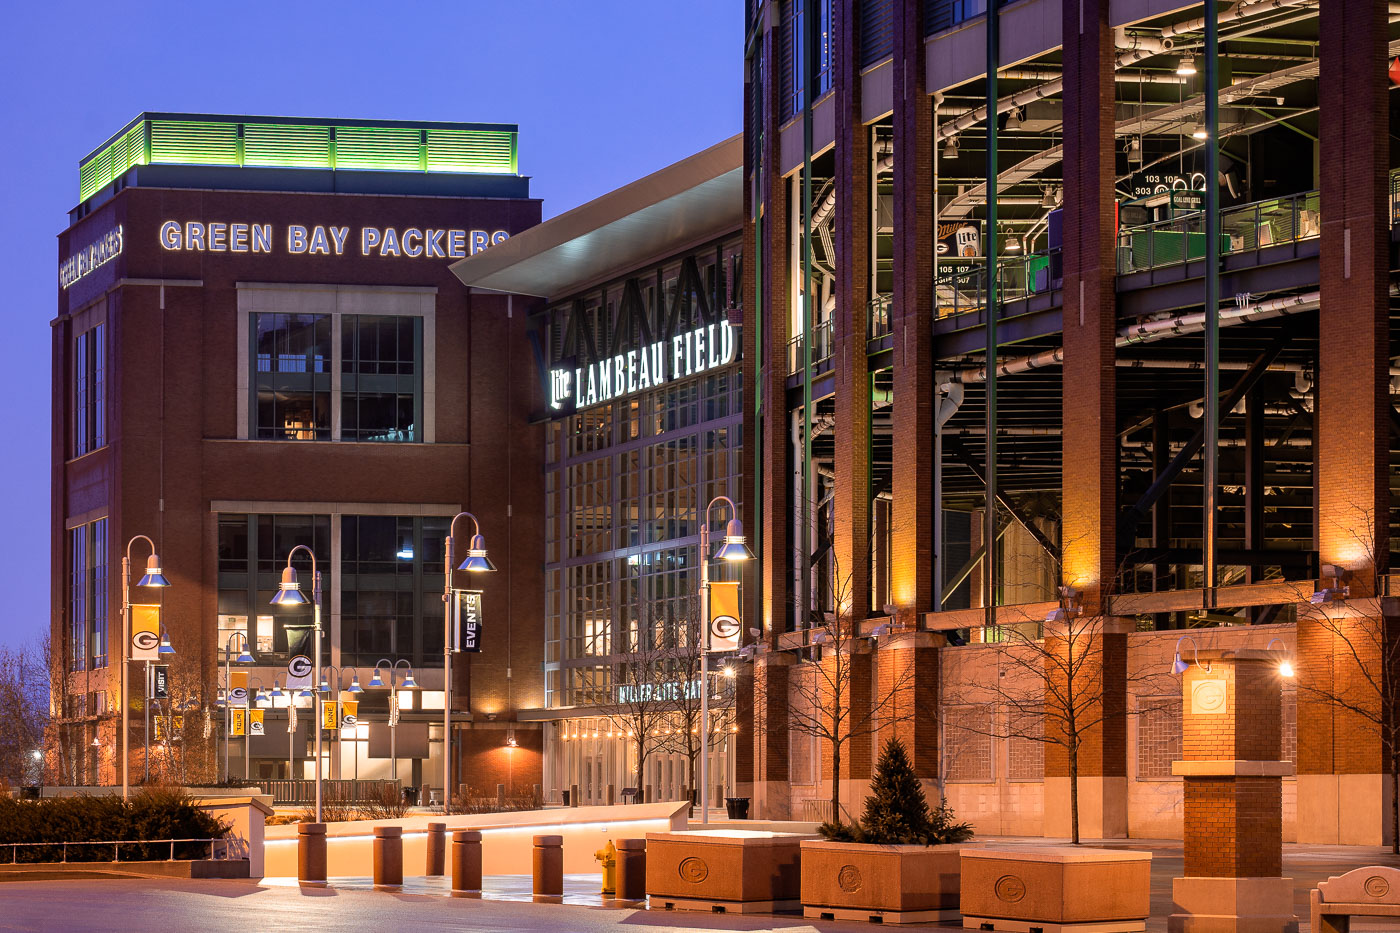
(107, 829)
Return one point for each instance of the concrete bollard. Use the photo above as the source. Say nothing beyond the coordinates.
(573, 795)
(501, 796)
(388, 858)
(631, 870)
(437, 849)
(612, 795)
(311, 854)
(549, 869)
(466, 863)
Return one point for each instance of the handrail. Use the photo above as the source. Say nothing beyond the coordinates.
(116, 845)
(963, 288)
(1244, 228)
(823, 346)
(878, 322)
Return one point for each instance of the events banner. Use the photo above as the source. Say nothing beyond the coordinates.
(469, 620)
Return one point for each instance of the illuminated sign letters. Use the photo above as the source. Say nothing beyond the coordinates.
(686, 354)
(106, 248)
(321, 240)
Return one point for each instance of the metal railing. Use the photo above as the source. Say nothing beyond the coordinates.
(1243, 229)
(817, 811)
(963, 287)
(823, 346)
(144, 854)
(878, 322)
(291, 793)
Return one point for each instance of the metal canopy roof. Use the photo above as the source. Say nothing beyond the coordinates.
(694, 199)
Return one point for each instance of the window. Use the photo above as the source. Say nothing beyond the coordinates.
(89, 391)
(391, 586)
(380, 377)
(967, 744)
(292, 379)
(253, 550)
(87, 603)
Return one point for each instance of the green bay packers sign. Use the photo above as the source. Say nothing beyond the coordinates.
(724, 616)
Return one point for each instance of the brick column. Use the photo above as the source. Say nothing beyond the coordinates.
(852, 229)
(911, 522)
(1086, 671)
(1232, 821)
(907, 685)
(772, 790)
(854, 675)
(1088, 479)
(1339, 773)
(765, 353)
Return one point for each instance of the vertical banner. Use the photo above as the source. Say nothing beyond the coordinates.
(724, 617)
(469, 620)
(299, 671)
(255, 722)
(162, 730)
(329, 719)
(393, 710)
(292, 715)
(145, 633)
(238, 723)
(238, 688)
(348, 711)
(160, 682)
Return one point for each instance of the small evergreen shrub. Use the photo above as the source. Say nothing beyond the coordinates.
(152, 814)
(896, 812)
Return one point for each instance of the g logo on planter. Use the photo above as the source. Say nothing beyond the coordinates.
(144, 641)
(694, 870)
(299, 666)
(848, 879)
(1010, 889)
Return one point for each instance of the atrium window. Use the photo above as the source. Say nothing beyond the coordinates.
(292, 378)
(89, 391)
(381, 377)
(87, 603)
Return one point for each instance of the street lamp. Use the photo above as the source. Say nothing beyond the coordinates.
(733, 549)
(243, 658)
(152, 577)
(476, 562)
(331, 686)
(408, 684)
(289, 594)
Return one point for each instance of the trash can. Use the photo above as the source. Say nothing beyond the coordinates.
(29, 792)
(565, 792)
(410, 795)
(737, 807)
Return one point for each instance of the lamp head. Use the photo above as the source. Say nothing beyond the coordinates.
(153, 576)
(408, 682)
(1285, 668)
(1186, 66)
(1178, 665)
(243, 656)
(355, 684)
(276, 690)
(376, 681)
(950, 149)
(289, 592)
(166, 649)
(734, 548)
(477, 561)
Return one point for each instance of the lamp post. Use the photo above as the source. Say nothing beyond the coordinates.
(289, 594)
(331, 687)
(243, 658)
(152, 577)
(476, 562)
(733, 549)
(394, 687)
(165, 651)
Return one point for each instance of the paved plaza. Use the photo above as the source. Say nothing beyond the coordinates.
(349, 904)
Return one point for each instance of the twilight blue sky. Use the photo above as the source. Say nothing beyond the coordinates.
(604, 91)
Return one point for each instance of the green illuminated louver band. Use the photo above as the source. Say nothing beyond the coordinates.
(252, 142)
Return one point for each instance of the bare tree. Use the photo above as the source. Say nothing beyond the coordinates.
(837, 697)
(24, 711)
(1363, 678)
(644, 689)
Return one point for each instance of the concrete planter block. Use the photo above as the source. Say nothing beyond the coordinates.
(1055, 888)
(886, 884)
(1232, 905)
(725, 870)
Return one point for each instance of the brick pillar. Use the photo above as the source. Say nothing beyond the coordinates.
(1086, 672)
(1232, 821)
(907, 674)
(1339, 782)
(1089, 480)
(765, 353)
(852, 229)
(772, 791)
(911, 521)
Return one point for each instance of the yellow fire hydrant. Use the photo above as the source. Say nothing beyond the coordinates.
(607, 856)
